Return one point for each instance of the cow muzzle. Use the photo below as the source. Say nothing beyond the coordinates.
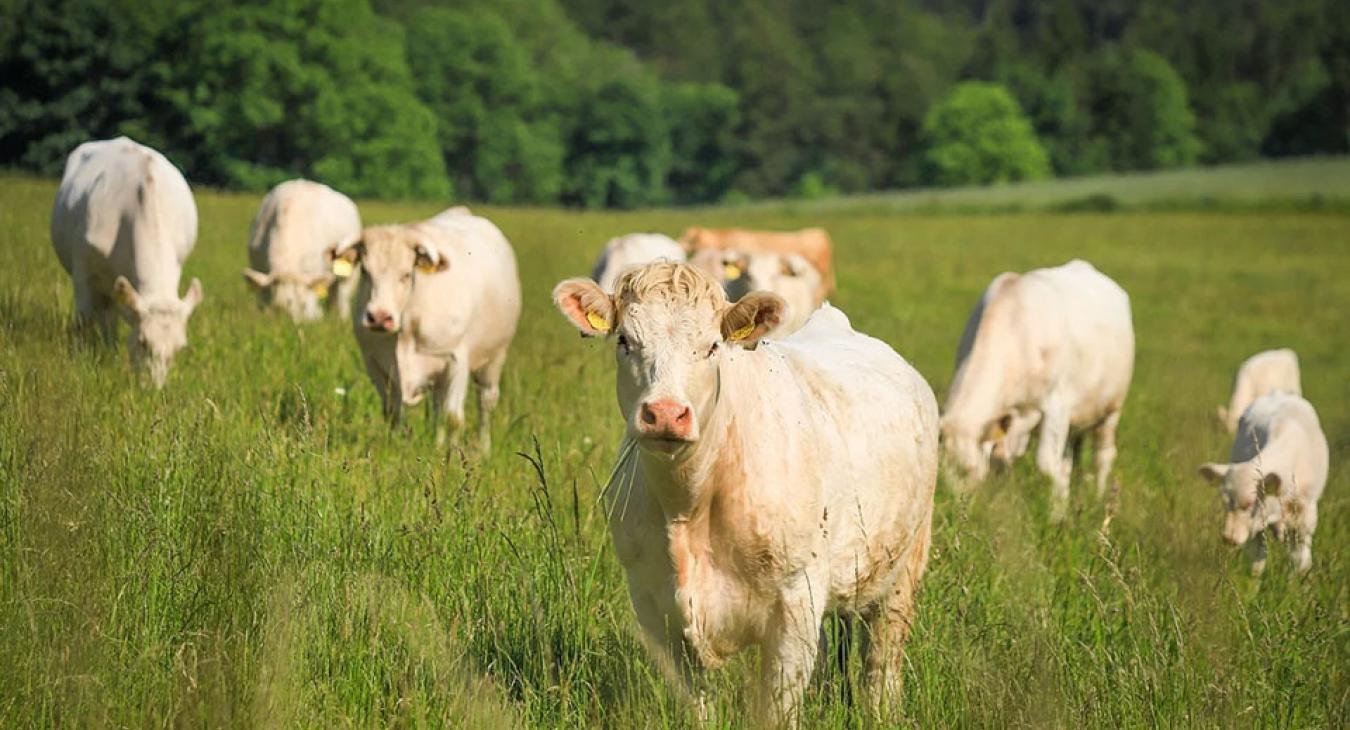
(380, 321)
(665, 420)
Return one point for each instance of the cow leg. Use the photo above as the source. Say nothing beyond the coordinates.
(1303, 536)
(1256, 552)
(788, 653)
(488, 380)
(386, 385)
(889, 627)
(1104, 439)
(452, 404)
(1051, 459)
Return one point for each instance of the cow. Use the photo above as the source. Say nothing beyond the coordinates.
(438, 303)
(1262, 373)
(1051, 349)
(123, 224)
(813, 244)
(788, 275)
(297, 224)
(631, 251)
(758, 490)
(1275, 475)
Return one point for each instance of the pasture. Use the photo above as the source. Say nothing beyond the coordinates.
(253, 546)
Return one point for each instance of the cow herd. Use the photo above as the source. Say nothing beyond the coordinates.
(778, 466)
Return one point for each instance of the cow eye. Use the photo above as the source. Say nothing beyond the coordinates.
(623, 344)
(713, 349)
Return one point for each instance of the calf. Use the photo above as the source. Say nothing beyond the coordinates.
(1054, 349)
(123, 225)
(1277, 469)
(297, 225)
(1262, 373)
(759, 490)
(438, 303)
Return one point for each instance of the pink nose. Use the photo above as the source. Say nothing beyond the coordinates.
(666, 419)
(380, 320)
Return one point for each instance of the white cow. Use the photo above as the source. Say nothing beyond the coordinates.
(123, 224)
(1262, 373)
(1052, 347)
(1277, 471)
(288, 245)
(623, 253)
(789, 275)
(758, 490)
(438, 303)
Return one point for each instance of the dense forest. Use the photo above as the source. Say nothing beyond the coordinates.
(624, 103)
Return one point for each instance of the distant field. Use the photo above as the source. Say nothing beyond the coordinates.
(251, 546)
(1309, 184)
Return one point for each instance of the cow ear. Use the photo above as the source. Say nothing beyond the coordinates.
(586, 306)
(1271, 484)
(344, 257)
(1213, 473)
(752, 317)
(999, 428)
(257, 279)
(193, 296)
(429, 260)
(126, 296)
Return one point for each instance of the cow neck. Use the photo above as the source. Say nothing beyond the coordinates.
(684, 485)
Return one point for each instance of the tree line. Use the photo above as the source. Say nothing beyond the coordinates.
(625, 103)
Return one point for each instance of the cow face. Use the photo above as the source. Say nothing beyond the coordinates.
(671, 326)
(1251, 498)
(967, 452)
(390, 257)
(158, 326)
(299, 295)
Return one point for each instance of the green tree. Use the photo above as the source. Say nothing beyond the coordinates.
(978, 134)
(703, 119)
(499, 142)
(1139, 110)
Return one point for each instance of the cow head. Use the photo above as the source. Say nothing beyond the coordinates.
(671, 326)
(1251, 498)
(299, 295)
(158, 326)
(967, 450)
(390, 257)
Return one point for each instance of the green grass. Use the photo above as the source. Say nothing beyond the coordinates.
(248, 547)
(1300, 184)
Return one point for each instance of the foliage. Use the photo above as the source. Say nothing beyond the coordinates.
(1141, 117)
(978, 135)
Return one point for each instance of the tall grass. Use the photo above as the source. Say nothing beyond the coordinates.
(253, 547)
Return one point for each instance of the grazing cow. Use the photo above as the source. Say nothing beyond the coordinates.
(1262, 373)
(288, 244)
(123, 224)
(439, 302)
(813, 244)
(758, 490)
(1277, 471)
(788, 275)
(631, 251)
(1052, 348)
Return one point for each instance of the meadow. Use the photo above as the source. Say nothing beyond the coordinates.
(253, 546)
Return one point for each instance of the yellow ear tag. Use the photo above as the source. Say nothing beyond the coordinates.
(731, 271)
(597, 322)
(742, 333)
(342, 268)
(321, 289)
(426, 267)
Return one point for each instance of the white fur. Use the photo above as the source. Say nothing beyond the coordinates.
(1262, 373)
(623, 253)
(1050, 349)
(123, 210)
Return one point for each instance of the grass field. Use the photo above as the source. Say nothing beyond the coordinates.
(251, 547)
